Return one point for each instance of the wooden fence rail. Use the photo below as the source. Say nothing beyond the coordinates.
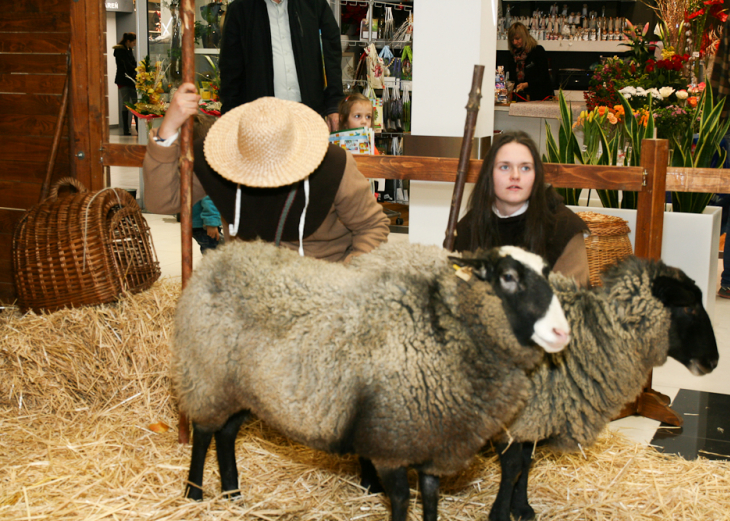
(707, 180)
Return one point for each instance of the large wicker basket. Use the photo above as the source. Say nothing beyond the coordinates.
(82, 248)
(607, 244)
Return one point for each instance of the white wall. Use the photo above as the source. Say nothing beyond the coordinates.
(449, 39)
(111, 67)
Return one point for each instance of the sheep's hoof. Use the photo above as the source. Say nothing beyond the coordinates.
(193, 492)
(233, 495)
(372, 486)
(525, 513)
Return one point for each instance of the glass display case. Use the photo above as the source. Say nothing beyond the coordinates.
(164, 36)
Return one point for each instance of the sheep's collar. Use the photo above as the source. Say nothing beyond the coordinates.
(464, 273)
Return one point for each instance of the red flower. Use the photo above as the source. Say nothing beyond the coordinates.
(649, 67)
(718, 12)
(696, 14)
(713, 2)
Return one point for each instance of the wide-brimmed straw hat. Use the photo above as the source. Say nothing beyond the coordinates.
(267, 143)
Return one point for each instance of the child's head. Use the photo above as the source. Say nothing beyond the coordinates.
(355, 111)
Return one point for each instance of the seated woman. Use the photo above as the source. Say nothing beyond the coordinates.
(528, 66)
(511, 205)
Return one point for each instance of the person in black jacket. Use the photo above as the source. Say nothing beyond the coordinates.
(125, 77)
(528, 66)
(303, 65)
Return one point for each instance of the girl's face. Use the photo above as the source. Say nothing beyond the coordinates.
(517, 41)
(361, 114)
(131, 44)
(514, 175)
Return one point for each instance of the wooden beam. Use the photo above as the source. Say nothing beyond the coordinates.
(650, 208)
(88, 91)
(704, 180)
(707, 180)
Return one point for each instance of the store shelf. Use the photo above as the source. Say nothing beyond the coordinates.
(205, 50)
(574, 46)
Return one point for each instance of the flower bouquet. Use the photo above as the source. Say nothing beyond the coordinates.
(211, 105)
(150, 85)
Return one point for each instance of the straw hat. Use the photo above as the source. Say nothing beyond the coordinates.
(267, 143)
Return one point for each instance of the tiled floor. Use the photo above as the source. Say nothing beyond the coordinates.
(703, 402)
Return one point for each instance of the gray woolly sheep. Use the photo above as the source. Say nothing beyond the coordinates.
(645, 312)
(392, 364)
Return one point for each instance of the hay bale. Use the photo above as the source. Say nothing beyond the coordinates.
(78, 445)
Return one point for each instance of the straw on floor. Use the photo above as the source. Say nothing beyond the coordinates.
(85, 400)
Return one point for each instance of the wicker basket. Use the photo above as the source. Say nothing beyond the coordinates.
(82, 248)
(607, 244)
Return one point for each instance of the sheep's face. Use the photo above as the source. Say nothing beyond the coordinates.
(519, 279)
(691, 337)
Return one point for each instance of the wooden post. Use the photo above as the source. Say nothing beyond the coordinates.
(472, 110)
(57, 133)
(186, 171)
(649, 229)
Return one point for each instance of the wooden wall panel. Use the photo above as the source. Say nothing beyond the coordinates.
(32, 171)
(33, 83)
(40, 42)
(30, 104)
(35, 37)
(37, 6)
(29, 63)
(34, 22)
(8, 220)
(6, 261)
(13, 124)
(32, 148)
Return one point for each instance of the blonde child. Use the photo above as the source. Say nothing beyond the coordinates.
(356, 111)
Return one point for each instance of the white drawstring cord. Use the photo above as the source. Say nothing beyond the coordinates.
(233, 228)
(303, 217)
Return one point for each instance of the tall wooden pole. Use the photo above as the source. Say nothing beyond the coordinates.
(186, 168)
(472, 110)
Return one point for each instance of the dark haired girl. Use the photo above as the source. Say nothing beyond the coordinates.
(511, 205)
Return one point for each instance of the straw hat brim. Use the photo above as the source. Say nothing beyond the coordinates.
(278, 158)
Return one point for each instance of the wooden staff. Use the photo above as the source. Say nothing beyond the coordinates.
(472, 110)
(186, 170)
(57, 133)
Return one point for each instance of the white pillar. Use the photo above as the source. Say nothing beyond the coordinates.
(449, 39)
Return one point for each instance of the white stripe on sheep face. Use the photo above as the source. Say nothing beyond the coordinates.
(552, 332)
(519, 278)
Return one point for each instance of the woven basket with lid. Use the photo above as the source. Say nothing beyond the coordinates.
(607, 244)
(82, 248)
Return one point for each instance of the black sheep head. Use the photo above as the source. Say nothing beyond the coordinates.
(691, 337)
(519, 279)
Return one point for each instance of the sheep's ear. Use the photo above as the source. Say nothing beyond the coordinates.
(481, 268)
(673, 292)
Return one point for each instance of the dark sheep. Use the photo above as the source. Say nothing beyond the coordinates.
(645, 312)
(392, 364)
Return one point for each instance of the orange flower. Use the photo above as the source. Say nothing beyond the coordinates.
(602, 111)
(692, 101)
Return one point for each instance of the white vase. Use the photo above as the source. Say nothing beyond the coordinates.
(690, 242)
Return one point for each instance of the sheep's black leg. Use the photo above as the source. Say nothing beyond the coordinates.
(395, 483)
(520, 508)
(429, 496)
(225, 445)
(369, 479)
(201, 442)
(510, 461)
